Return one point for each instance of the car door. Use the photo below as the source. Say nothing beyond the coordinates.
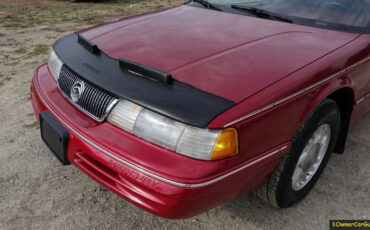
(360, 77)
(367, 35)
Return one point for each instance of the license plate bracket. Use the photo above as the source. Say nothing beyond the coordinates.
(55, 136)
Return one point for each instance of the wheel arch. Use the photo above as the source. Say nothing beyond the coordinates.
(343, 94)
(344, 97)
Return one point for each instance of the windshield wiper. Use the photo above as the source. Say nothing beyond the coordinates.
(206, 4)
(262, 13)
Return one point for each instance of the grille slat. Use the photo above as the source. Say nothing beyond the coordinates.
(97, 108)
(87, 98)
(93, 101)
(88, 95)
(104, 101)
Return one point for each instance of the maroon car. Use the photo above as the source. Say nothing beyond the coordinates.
(183, 109)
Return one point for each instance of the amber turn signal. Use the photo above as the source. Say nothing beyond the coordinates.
(226, 145)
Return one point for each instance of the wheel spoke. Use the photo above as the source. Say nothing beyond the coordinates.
(311, 157)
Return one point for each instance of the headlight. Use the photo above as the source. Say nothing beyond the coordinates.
(55, 64)
(204, 144)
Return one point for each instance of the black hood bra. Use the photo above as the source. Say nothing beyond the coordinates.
(146, 86)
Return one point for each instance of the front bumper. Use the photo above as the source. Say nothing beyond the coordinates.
(155, 179)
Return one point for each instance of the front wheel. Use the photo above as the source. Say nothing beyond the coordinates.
(312, 145)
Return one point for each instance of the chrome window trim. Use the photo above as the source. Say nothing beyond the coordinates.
(258, 111)
(143, 171)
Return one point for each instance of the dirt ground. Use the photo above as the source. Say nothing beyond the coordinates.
(36, 192)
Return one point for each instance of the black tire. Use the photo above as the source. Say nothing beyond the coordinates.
(278, 189)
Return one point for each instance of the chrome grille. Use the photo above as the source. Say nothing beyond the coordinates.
(93, 101)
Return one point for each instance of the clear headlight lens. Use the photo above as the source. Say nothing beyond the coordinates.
(55, 64)
(124, 115)
(158, 129)
(198, 143)
(204, 144)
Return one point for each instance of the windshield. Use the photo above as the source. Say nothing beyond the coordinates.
(344, 15)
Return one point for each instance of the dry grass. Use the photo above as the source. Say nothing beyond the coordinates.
(16, 14)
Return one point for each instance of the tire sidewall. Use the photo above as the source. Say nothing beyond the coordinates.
(326, 113)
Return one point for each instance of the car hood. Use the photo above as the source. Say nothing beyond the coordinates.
(229, 55)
